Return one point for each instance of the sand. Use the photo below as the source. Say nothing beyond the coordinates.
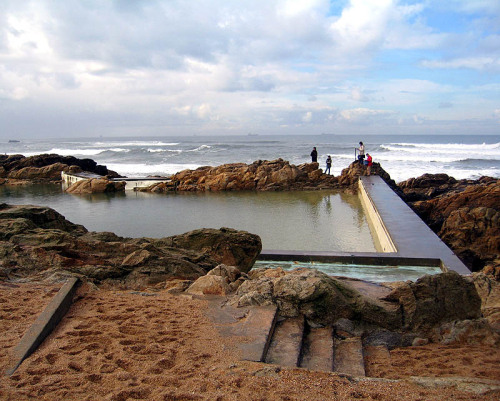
(152, 345)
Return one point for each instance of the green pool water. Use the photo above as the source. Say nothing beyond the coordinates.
(363, 272)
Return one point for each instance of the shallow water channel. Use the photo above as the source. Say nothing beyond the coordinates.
(302, 220)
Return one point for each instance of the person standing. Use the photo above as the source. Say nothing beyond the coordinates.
(361, 153)
(314, 155)
(370, 162)
(328, 165)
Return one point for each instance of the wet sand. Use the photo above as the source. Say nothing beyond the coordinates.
(152, 345)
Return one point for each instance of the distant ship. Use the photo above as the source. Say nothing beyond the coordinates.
(13, 141)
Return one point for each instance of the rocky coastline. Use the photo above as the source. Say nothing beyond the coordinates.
(37, 244)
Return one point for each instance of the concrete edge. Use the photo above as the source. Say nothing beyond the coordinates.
(376, 223)
(44, 324)
(355, 258)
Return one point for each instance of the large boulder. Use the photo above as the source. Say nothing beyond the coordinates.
(226, 245)
(320, 298)
(96, 185)
(436, 299)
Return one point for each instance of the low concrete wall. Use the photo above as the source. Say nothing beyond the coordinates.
(379, 230)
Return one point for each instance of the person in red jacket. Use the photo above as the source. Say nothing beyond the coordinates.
(370, 162)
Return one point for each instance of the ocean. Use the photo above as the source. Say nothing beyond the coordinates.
(402, 156)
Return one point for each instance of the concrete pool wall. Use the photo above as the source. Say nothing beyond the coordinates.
(404, 239)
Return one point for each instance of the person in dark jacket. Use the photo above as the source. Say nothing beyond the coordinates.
(314, 155)
(328, 164)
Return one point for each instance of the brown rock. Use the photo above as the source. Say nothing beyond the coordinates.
(433, 300)
(209, 285)
(489, 292)
(96, 185)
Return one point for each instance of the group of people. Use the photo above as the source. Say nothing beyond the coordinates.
(361, 158)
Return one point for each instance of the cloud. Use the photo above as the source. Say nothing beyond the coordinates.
(475, 63)
(217, 66)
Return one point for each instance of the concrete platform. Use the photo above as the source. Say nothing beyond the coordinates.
(411, 237)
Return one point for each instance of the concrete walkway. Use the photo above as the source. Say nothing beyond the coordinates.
(409, 234)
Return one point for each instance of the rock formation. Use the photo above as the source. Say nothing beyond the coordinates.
(46, 167)
(444, 308)
(39, 242)
(465, 214)
(96, 185)
(263, 175)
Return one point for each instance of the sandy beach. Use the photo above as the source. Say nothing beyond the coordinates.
(153, 345)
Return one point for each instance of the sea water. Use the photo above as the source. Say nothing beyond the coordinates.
(402, 156)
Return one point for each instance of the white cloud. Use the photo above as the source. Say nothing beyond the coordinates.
(474, 63)
(219, 65)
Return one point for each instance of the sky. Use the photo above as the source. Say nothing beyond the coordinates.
(73, 68)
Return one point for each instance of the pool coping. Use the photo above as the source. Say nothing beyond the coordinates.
(405, 240)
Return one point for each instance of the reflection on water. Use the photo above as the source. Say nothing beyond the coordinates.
(376, 274)
(302, 220)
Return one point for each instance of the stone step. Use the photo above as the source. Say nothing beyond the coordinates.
(252, 325)
(286, 343)
(317, 353)
(348, 357)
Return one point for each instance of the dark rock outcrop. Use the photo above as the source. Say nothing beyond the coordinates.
(38, 242)
(47, 167)
(465, 214)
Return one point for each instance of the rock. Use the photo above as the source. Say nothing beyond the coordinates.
(177, 286)
(318, 297)
(255, 293)
(47, 167)
(39, 242)
(209, 285)
(435, 299)
(489, 292)
(96, 185)
(51, 172)
(419, 341)
(389, 339)
(226, 246)
(230, 273)
(477, 332)
(465, 214)
(255, 274)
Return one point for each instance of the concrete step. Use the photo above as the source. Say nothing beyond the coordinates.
(348, 357)
(286, 343)
(253, 325)
(317, 353)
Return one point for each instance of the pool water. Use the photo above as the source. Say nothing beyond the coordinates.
(363, 272)
(296, 221)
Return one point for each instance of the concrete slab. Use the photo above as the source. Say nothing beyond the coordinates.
(286, 343)
(409, 234)
(348, 357)
(253, 324)
(44, 324)
(318, 350)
